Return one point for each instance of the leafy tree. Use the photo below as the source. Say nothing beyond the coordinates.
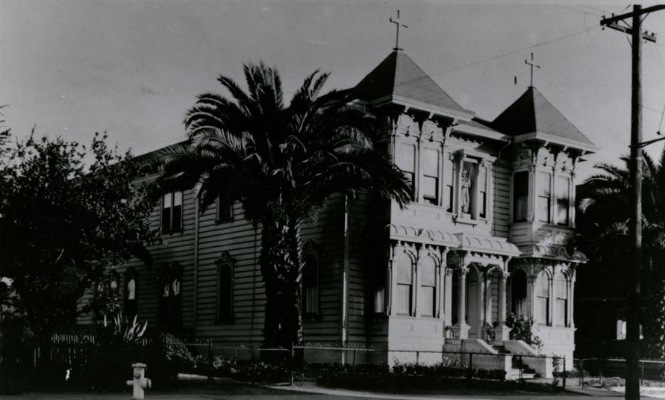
(63, 222)
(282, 163)
(603, 233)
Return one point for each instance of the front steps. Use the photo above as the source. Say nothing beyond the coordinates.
(518, 369)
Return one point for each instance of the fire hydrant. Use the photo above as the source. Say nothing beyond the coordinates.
(140, 382)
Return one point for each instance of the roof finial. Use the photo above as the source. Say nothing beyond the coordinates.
(531, 64)
(397, 23)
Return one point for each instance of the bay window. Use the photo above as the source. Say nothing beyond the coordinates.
(430, 182)
(563, 200)
(520, 196)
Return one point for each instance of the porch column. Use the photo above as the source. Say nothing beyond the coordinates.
(482, 280)
(463, 326)
(389, 286)
(440, 290)
(448, 296)
(501, 332)
(531, 294)
(571, 299)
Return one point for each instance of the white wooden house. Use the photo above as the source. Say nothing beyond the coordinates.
(487, 234)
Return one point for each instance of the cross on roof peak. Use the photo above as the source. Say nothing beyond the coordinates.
(532, 64)
(397, 23)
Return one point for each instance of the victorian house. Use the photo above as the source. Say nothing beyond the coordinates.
(487, 234)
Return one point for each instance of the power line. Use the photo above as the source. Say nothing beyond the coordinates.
(579, 11)
(587, 30)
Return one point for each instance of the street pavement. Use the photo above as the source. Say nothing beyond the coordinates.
(231, 390)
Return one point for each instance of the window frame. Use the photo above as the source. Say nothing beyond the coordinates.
(315, 286)
(221, 199)
(563, 198)
(547, 197)
(171, 212)
(401, 162)
(396, 306)
(436, 178)
(561, 279)
(433, 286)
(225, 263)
(547, 283)
(130, 305)
(481, 163)
(517, 217)
(170, 306)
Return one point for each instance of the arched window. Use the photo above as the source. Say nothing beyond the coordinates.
(561, 304)
(404, 283)
(310, 286)
(426, 300)
(131, 285)
(543, 298)
(170, 284)
(225, 288)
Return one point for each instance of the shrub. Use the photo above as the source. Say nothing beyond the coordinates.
(522, 329)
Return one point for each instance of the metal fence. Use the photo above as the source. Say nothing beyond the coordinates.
(309, 361)
(598, 371)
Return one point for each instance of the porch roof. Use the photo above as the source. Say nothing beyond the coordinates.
(557, 253)
(486, 244)
(425, 236)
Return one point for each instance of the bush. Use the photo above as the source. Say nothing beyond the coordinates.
(522, 329)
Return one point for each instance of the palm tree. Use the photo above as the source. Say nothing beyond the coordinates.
(603, 230)
(282, 163)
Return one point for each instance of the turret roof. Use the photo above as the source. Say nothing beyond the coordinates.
(532, 113)
(397, 78)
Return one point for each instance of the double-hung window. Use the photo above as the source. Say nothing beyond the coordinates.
(430, 184)
(561, 305)
(404, 286)
(310, 286)
(224, 207)
(427, 298)
(543, 298)
(172, 212)
(563, 200)
(406, 161)
(520, 196)
(544, 196)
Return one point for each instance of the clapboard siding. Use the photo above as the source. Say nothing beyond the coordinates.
(327, 236)
(501, 200)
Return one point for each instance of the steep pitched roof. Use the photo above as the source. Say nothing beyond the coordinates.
(397, 77)
(533, 113)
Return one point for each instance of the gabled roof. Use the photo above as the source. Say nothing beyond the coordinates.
(532, 113)
(399, 80)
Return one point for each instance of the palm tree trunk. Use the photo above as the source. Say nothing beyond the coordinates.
(281, 270)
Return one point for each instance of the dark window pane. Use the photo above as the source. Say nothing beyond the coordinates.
(520, 196)
(224, 207)
(449, 198)
(225, 305)
(176, 223)
(310, 286)
(483, 205)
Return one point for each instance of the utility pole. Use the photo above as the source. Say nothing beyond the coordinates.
(634, 311)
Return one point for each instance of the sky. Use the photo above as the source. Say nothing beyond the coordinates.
(71, 68)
